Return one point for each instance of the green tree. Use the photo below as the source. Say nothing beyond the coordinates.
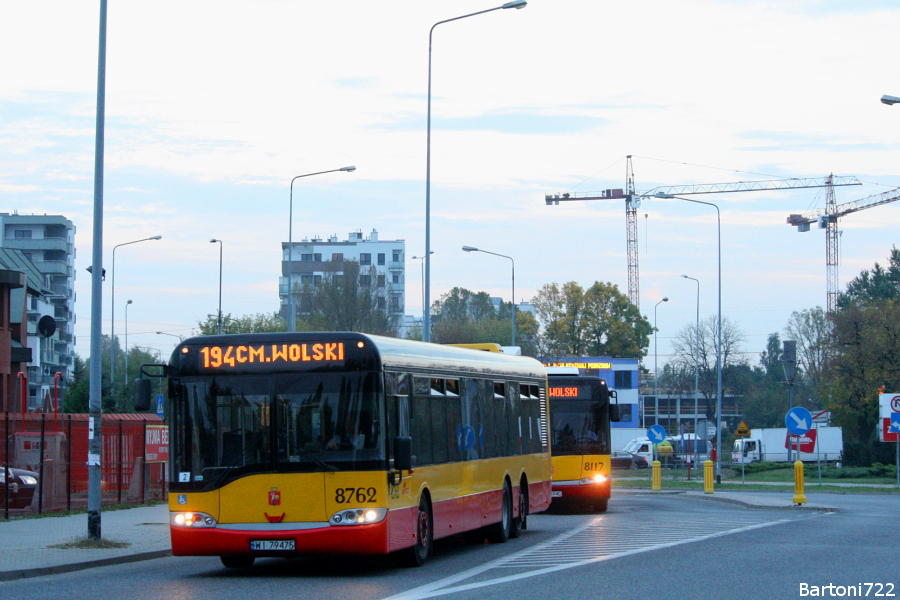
(257, 323)
(875, 285)
(462, 316)
(77, 396)
(599, 321)
(863, 354)
(113, 399)
(347, 299)
(810, 329)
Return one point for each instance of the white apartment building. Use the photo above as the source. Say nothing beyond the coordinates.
(308, 260)
(48, 241)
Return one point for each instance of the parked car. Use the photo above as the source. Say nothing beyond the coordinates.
(628, 460)
(21, 484)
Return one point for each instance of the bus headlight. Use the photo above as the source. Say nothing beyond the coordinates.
(597, 478)
(359, 516)
(192, 519)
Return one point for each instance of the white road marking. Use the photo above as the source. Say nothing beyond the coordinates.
(591, 543)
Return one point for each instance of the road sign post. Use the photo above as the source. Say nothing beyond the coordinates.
(798, 421)
(742, 431)
(656, 434)
(895, 428)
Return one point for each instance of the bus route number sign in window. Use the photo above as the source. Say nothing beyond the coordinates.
(219, 357)
(563, 392)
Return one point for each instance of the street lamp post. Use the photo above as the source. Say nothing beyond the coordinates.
(112, 335)
(426, 325)
(421, 260)
(513, 302)
(696, 351)
(219, 320)
(292, 319)
(719, 335)
(889, 100)
(125, 380)
(655, 352)
(180, 339)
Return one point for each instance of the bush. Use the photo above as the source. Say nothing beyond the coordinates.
(759, 467)
(859, 454)
(880, 470)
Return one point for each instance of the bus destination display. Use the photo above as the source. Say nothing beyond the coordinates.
(569, 391)
(224, 357)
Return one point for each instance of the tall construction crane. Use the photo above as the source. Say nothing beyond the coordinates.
(633, 202)
(827, 219)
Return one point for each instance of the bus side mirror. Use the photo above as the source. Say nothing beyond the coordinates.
(142, 394)
(403, 453)
(614, 413)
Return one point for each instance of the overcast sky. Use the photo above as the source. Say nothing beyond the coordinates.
(212, 108)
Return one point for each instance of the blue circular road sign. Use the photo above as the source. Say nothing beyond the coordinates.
(798, 420)
(656, 434)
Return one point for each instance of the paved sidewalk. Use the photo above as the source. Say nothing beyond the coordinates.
(750, 499)
(26, 551)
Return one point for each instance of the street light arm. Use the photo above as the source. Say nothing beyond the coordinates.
(719, 336)
(513, 299)
(426, 325)
(291, 320)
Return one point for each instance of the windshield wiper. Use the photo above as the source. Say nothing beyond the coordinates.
(327, 466)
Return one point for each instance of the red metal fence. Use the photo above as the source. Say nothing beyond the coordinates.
(133, 467)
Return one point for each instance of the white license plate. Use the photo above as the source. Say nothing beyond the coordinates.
(556, 494)
(271, 545)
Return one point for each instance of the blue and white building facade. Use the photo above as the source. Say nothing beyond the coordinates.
(620, 374)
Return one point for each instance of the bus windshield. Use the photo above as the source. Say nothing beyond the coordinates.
(232, 425)
(580, 427)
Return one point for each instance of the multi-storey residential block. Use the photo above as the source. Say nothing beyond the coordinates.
(47, 241)
(308, 260)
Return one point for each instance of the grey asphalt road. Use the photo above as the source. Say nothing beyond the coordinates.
(644, 547)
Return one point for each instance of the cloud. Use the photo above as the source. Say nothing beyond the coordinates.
(517, 122)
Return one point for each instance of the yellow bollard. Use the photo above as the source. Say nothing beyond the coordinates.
(799, 496)
(657, 476)
(708, 485)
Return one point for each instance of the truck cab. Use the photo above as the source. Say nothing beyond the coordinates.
(745, 451)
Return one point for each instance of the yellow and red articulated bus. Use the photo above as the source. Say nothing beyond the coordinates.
(580, 414)
(285, 444)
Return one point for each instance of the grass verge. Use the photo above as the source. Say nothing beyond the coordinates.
(89, 543)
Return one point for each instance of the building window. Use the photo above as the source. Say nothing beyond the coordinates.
(337, 257)
(395, 278)
(381, 302)
(365, 280)
(623, 380)
(381, 258)
(317, 279)
(306, 257)
(317, 257)
(23, 234)
(365, 258)
(381, 280)
(27, 255)
(395, 303)
(396, 256)
(306, 279)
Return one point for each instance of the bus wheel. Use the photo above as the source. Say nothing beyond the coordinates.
(601, 505)
(238, 562)
(520, 522)
(418, 554)
(499, 533)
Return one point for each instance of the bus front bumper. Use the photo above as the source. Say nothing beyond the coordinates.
(579, 490)
(304, 538)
